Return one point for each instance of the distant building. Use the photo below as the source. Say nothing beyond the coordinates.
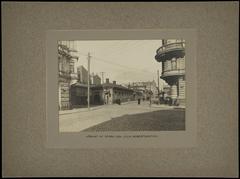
(172, 56)
(96, 80)
(82, 74)
(147, 88)
(113, 92)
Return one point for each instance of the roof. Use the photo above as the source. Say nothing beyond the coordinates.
(105, 85)
(111, 85)
(80, 84)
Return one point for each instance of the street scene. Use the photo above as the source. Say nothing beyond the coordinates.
(121, 85)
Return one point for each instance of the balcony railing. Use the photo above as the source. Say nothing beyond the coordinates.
(73, 75)
(173, 72)
(171, 47)
(64, 73)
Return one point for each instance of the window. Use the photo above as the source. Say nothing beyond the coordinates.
(71, 68)
(59, 65)
(182, 63)
(167, 65)
(174, 63)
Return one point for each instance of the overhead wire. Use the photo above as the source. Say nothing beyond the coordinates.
(117, 64)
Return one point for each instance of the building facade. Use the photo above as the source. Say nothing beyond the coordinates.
(106, 93)
(172, 56)
(66, 72)
(96, 80)
(79, 95)
(82, 75)
(166, 91)
(148, 89)
(113, 93)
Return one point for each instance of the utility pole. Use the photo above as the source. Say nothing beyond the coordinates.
(88, 58)
(158, 81)
(150, 98)
(102, 73)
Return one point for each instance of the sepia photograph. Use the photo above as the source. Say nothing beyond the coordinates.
(121, 85)
(123, 89)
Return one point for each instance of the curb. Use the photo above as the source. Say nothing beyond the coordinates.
(80, 110)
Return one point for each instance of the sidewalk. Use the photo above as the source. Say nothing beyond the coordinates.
(128, 102)
(179, 107)
(161, 106)
(80, 110)
(76, 110)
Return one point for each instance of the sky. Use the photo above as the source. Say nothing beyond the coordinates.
(121, 60)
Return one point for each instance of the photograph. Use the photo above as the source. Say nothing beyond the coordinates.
(121, 85)
(125, 89)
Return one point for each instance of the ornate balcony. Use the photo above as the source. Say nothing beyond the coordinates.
(68, 52)
(73, 54)
(172, 73)
(65, 74)
(176, 49)
(73, 75)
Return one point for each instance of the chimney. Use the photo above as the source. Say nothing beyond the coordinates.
(107, 80)
(114, 82)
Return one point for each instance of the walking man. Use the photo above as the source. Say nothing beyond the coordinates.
(139, 101)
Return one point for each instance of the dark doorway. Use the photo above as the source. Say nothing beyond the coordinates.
(96, 99)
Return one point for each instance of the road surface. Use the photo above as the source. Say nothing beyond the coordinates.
(125, 117)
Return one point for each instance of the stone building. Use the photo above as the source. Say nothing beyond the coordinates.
(66, 72)
(106, 93)
(79, 95)
(172, 56)
(112, 92)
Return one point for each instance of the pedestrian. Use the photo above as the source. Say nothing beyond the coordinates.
(139, 101)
